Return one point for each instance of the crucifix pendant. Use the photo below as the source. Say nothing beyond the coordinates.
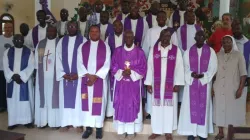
(47, 55)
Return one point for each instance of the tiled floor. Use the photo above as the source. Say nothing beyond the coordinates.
(49, 134)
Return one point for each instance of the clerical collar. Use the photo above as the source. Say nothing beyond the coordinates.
(94, 42)
(129, 49)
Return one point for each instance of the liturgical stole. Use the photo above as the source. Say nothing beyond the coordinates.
(98, 85)
(24, 88)
(149, 20)
(109, 29)
(169, 83)
(197, 91)
(35, 36)
(70, 87)
(41, 54)
(184, 35)
(247, 53)
(139, 29)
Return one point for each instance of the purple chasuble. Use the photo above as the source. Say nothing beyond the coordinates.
(149, 20)
(127, 96)
(119, 16)
(169, 83)
(55, 95)
(247, 53)
(139, 29)
(198, 92)
(24, 88)
(70, 87)
(98, 85)
(184, 35)
(35, 35)
(176, 18)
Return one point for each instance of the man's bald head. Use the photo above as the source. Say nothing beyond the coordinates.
(129, 38)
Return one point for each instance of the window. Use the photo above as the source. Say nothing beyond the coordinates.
(6, 18)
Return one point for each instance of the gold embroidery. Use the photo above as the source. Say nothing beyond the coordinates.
(84, 96)
(97, 100)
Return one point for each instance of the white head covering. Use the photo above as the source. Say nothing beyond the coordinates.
(234, 43)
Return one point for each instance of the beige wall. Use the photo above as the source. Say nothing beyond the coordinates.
(22, 11)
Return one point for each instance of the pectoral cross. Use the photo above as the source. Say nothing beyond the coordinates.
(47, 55)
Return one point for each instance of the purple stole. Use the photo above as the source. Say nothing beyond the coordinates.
(111, 42)
(119, 16)
(247, 52)
(169, 84)
(139, 29)
(198, 92)
(184, 35)
(149, 20)
(35, 35)
(24, 88)
(70, 87)
(55, 96)
(176, 17)
(98, 85)
(109, 29)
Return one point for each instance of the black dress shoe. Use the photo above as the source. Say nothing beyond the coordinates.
(87, 133)
(29, 125)
(202, 138)
(191, 138)
(148, 117)
(98, 133)
(12, 127)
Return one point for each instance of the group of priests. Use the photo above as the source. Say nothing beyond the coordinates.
(75, 73)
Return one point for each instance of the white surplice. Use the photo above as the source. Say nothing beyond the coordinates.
(150, 39)
(103, 28)
(182, 21)
(134, 24)
(68, 116)
(110, 109)
(41, 35)
(136, 126)
(185, 126)
(154, 21)
(164, 118)
(240, 44)
(82, 27)
(88, 120)
(46, 115)
(19, 112)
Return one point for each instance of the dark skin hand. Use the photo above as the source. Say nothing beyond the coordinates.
(176, 89)
(126, 73)
(241, 87)
(17, 78)
(67, 77)
(73, 77)
(91, 79)
(197, 76)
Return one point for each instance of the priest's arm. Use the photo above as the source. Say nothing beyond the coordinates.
(102, 72)
(7, 72)
(149, 76)
(82, 71)
(179, 70)
(116, 71)
(59, 67)
(146, 43)
(139, 71)
(212, 69)
(28, 71)
(188, 78)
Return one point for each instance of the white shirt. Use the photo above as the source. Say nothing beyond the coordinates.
(4, 40)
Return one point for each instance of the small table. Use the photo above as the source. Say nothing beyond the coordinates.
(5, 135)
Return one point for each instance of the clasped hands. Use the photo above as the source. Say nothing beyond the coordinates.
(176, 89)
(17, 79)
(91, 79)
(197, 76)
(126, 72)
(70, 77)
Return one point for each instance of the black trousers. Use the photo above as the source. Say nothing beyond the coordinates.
(3, 102)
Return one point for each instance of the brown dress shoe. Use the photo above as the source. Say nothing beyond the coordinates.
(153, 136)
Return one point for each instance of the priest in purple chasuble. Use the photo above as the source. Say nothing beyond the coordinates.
(200, 64)
(165, 73)
(149, 42)
(177, 18)
(243, 45)
(125, 10)
(67, 75)
(47, 87)
(136, 23)
(38, 33)
(128, 67)
(151, 17)
(93, 63)
(18, 64)
(114, 41)
(105, 27)
(230, 92)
